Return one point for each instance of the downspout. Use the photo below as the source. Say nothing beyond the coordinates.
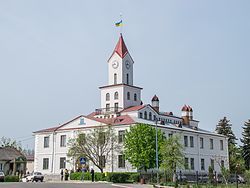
(53, 152)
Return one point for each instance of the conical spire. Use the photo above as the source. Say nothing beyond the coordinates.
(121, 48)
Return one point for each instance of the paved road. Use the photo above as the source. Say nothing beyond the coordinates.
(70, 185)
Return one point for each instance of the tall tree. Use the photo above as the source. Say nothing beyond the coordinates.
(172, 155)
(246, 143)
(225, 128)
(96, 146)
(140, 146)
(8, 142)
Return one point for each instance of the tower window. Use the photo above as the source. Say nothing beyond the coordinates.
(107, 107)
(128, 95)
(135, 97)
(115, 78)
(145, 115)
(127, 79)
(107, 97)
(116, 95)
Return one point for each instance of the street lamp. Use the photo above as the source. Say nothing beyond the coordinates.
(156, 150)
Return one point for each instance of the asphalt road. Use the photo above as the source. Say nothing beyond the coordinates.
(70, 185)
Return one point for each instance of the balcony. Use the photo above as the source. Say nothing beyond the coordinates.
(106, 111)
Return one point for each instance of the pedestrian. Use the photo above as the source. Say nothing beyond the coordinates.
(66, 175)
(62, 175)
(92, 172)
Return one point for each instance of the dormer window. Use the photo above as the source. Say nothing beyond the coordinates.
(145, 115)
(107, 97)
(135, 97)
(116, 95)
(150, 116)
(128, 95)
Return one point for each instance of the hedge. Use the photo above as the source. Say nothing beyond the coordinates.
(116, 177)
(11, 179)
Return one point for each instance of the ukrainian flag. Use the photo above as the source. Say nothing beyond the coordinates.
(118, 24)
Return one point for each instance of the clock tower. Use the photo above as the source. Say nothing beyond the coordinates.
(120, 93)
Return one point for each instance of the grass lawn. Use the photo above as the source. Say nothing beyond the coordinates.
(218, 186)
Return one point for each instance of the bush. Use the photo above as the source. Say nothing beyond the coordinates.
(118, 177)
(134, 177)
(11, 179)
(87, 176)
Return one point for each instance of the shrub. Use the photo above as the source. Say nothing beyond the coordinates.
(134, 177)
(87, 176)
(11, 179)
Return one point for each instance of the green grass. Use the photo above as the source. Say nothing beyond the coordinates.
(218, 186)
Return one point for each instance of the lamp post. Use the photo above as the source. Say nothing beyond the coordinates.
(156, 150)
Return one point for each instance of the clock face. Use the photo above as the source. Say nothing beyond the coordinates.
(127, 64)
(115, 64)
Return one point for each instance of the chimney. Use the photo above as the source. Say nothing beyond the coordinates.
(155, 103)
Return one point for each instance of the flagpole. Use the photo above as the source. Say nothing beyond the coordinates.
(121, 25)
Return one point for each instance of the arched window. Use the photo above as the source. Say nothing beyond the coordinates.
(135, 97)
(115, 78)
(150, 116)
(127, 79)
(145, 115)
(128, 95)
(107, 97)
(116, 95)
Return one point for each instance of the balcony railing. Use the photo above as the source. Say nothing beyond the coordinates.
(110, 110)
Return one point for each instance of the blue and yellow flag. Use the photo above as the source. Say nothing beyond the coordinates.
(118, 24)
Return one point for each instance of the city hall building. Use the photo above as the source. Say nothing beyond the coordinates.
(122, 107)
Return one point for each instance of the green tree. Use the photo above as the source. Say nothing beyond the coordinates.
(246, 143)
(172, 155)
(8, 142)
(236, 161)
(139, 146)
(96, 146)
(225, 128)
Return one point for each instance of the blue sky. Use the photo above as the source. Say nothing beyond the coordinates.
(53, 57)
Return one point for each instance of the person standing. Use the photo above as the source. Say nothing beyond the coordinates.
(92, 172)
(83, 171)
(61, 175)
(66, 175)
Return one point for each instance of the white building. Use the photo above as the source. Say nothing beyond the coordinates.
(121, 106)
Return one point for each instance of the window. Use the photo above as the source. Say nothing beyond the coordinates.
(221, 145)
(212, 163)
(186, 163)
(128, 95)
(46, 142)
(121, 136)
(222, 163)
(185, 141)
(201, 143)
(202, 164)
(116, 95)
(1, 166)
(121, 161)
(63, 141)
(115, 78)
(145, 115)
(150, 116)
(135, 97)
(211, 143)
(140, 115)
(107, 107)
(45, 163)
(191, 141)
(107, 97)
(154, 117)
(62, 162)
(170, 135)
(116, 107)
(192, 163)
(127, 79)
(101, 138)
(102, 161)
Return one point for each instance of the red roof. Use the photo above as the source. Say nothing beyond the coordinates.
(52, 129)
(133, 108)
(121, 48)
(184, 108)
(123, 120)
